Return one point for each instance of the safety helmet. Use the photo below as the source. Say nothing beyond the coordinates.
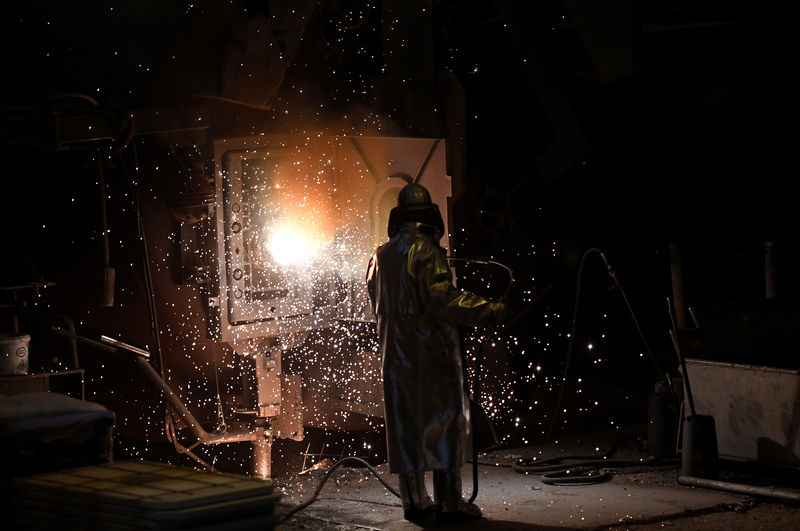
(412, 196)
(414, 205)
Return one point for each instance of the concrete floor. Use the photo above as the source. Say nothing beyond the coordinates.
(635, 497)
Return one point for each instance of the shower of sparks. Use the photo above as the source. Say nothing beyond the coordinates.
(307, 225)
(291, 244)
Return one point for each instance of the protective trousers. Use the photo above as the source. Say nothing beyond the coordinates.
(446, 490)
(413, 492)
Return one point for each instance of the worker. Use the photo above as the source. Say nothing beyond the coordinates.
(418, 312)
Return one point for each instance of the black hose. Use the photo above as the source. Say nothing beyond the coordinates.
(475, 403)
(533, 465)
(613, 275)
(474, 470)
(476, 379)
(330, 471)
(539, 466)
(133, 184)
(568, 360)
(581, 475)
(582, 469)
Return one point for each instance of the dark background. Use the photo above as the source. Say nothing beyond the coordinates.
(679, 126)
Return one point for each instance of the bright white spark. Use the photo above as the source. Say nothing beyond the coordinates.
(291, 244)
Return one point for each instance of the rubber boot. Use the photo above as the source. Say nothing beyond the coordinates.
(417, 504)
(450, 505)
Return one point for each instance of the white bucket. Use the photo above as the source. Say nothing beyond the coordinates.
(14, 354)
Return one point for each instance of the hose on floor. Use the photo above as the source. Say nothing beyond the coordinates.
(582, 469)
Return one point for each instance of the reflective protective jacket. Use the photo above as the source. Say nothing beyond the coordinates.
(418, 311)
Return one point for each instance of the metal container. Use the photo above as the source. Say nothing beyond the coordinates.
(14, 354)
(755, 409)
(700, 456)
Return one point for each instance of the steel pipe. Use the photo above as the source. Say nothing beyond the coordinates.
(740, 488)
(191, 422)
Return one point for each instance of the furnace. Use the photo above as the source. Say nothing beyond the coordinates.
(295, 219)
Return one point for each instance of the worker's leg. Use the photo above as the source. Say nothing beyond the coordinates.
(447, 495)
(416, 501)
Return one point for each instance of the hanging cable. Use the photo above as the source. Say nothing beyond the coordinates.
(475, 406)
(221, 425)
(571, 341)
(568, 359)
(133, 184)
(484, 261)
(613, 276)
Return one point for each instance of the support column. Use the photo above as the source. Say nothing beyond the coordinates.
(262, 451)
(268, 382)
(268, 393)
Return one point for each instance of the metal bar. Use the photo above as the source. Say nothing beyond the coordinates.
(155, 379)
(175, 402)
(740, 488)
(73, 335)
(126, 346)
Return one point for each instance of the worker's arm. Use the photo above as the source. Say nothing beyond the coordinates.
(428, 267)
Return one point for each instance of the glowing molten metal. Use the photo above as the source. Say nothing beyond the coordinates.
(295, 242)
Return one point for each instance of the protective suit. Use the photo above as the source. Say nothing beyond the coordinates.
(418, 311)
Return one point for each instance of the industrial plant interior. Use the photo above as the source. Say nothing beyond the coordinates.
(192, 192)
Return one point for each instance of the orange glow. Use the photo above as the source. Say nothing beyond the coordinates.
(299, 221)
(295, 240)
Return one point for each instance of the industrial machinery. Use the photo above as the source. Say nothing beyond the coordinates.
(228, 234)
(287, 237)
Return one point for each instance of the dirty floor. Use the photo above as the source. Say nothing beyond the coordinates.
(628, 494)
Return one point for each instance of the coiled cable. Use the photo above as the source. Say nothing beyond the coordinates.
(582, 469)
